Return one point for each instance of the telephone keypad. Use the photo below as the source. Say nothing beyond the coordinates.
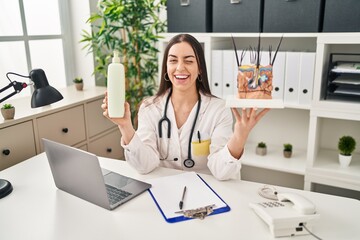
(271, 204)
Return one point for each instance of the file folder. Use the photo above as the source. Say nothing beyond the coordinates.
(167, 193)
(229, 73)
(216, 73)
(279, 75)
(292, 76)
(307, 70)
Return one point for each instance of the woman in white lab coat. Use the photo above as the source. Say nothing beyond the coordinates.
(184, 126)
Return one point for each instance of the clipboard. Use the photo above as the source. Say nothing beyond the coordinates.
(167, 193)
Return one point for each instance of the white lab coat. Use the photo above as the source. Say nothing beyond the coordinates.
(214, 123)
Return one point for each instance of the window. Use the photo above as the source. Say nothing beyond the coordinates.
(35, 34)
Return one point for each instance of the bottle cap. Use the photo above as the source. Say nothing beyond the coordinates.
(116, 58)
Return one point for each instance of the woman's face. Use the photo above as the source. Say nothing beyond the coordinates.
(182, 67)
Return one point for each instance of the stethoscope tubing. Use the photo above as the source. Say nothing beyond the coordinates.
(189, 162)
(165, 118)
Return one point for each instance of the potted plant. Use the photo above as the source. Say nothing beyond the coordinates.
(79, 84)
(287, 150)
(8, 111)
(261, 149)
(346, 146)
(132, 28)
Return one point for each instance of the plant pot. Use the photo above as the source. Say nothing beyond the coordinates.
(344, 160)
(8, 113)
(260, 151)
(79, 86)
(287, 154)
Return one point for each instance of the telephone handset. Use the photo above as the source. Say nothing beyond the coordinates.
(301, 204)
(288, 215)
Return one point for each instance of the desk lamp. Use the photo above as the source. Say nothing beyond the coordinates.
(43, 95)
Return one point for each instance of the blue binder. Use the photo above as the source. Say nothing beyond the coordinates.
(166, 193)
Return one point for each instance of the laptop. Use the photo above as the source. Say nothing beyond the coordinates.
(79, 173)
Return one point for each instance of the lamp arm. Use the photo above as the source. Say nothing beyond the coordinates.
(18, 86)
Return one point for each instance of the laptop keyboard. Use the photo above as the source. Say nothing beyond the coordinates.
(115, 195)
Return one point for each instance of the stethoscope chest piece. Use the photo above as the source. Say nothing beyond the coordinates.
(189, 163)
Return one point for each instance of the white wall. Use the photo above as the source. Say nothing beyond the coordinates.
(80, 11)
(84, 62)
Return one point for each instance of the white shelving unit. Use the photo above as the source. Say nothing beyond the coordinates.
(332, 119)
(313, 129)
(274, 160)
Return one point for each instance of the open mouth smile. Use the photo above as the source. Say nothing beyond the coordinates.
(181, 76)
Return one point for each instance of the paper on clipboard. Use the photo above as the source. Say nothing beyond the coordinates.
(167, 193)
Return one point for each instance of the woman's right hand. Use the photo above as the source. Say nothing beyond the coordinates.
(124, 123)
(118, 121)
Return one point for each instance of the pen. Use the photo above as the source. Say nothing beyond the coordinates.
(181, 203)
(198, 133)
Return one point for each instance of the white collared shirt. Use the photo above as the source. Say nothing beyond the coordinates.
(210, 152)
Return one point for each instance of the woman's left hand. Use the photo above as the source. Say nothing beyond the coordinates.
(244, 123)
(247, 120)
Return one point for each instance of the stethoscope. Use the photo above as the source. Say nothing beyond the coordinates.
(189, 162)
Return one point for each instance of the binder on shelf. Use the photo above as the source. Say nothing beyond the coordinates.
(279, 75)
(292, 74)
(307, 70)
(216, 72)
(229, 73)
(167, 193)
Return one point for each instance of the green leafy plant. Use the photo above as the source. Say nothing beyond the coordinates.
(7, 106)
(261, 145)
(288, 147)
(132, 28)
(261, 149)
(78, 80)
(346, 145)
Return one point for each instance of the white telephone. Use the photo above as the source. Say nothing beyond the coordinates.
(288, 215)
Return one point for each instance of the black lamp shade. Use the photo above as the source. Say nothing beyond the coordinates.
(44, 94)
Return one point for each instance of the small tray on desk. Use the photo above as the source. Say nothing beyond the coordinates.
(343, 81)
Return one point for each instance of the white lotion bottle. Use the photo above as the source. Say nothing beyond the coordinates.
(116, 87)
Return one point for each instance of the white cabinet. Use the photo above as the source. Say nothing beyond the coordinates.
(313, 125)
(77, 120)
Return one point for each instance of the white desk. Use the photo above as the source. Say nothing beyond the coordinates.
(36, 209)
